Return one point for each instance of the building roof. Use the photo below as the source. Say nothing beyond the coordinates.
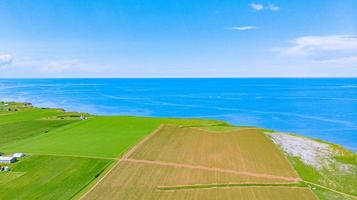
(6, 158)
(18, 155)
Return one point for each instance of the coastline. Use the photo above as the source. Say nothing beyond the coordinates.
(320, 164)
(286, 105)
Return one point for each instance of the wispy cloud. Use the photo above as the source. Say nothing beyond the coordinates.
(261, 7)
(257, 6)
(333, 48)
(5, 59)
(273, 7)
(308, 45)
(243, 28)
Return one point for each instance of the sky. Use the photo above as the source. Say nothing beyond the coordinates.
(178, 38)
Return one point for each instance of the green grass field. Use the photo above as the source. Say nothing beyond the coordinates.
(346, 183)
(328, 195)
(97, 136)
(340, 174)
(28, 114)
(49, 177)
(28, 123)
(16, 131)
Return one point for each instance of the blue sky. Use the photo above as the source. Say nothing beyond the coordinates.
(178, 38)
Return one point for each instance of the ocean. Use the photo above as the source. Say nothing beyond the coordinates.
(317, 107)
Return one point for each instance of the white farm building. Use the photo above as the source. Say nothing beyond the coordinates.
(18, 155)
(7, 159)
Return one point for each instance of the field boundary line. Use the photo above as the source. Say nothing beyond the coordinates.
(267, 176)
(227, 131)
(332, 190)
(231, 187)
(129, 153)
(132, 150)
(269, 138)
(76, 156)
(82, 190)
(228, 185)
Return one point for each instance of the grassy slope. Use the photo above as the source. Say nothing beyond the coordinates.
(15, 126)
(97, 136)
(50, 177)
(325, 178)
(328, 195)
(341, 180)
(12, 132)
(28, 114)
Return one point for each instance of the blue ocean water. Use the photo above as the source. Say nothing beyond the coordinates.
(319, 108)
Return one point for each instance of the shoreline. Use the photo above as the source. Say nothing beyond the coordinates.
(353, 149)
(83, 137)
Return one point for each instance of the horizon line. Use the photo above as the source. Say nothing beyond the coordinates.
(187, 77)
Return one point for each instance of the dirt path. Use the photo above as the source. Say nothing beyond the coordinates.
(228, 185)
(267, 176)
(226, 131)
(127, 155)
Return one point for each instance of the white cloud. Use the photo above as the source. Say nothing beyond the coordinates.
(308, 45)
(273, 7)
(341, 60)
(243, 28)
(261, 7)
(257, 6)
(5, 59)
(326, 49)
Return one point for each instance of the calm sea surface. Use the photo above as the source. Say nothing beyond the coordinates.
(319, 108)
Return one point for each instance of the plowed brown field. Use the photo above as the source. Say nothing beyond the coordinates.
(176, 156)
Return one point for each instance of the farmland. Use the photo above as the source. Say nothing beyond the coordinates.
(49, 177)
(27, 122)
(242, 150)
(141, 181)
(98, 136)
(28, 129)
(189, 163)
(128, 157)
